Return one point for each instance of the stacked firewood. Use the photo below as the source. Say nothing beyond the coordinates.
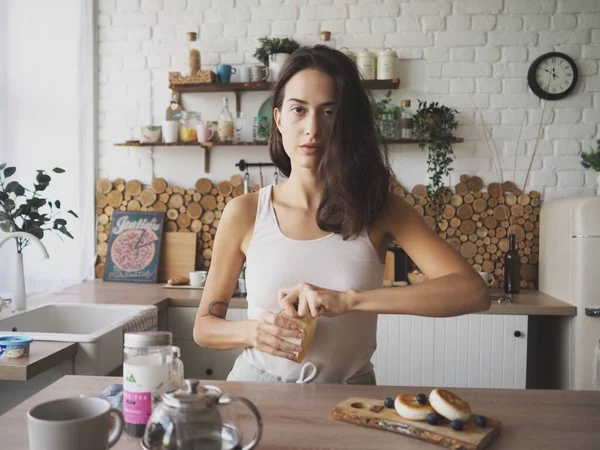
(196, 210)
(477, 223)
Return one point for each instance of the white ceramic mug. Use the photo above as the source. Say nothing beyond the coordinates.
(72, 424)
(198, 278)
(204, 133)
(486, 277)
(244, 74)
(170, 129)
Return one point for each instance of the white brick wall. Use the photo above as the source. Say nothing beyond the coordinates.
(458, 52)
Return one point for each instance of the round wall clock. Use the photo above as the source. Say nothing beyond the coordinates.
(552, 76)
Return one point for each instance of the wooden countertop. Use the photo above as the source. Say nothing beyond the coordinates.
(43, 355)
(297, 415)
(527, 302)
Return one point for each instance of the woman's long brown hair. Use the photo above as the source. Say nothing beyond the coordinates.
(354, 171)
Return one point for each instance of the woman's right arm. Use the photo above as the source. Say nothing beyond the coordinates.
(211, 329)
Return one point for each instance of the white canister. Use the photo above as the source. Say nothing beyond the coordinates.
(365, 61)
(349, 53)
(387, 59)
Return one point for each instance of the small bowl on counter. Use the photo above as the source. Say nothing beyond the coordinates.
(14, 347)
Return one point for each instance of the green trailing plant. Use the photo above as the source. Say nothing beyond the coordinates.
(434, 125)
(26, 210)
(269, 46)
(383, 106)
(591, 159)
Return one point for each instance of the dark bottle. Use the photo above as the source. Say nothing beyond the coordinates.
(512, 267)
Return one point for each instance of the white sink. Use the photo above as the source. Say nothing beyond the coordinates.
(97, 328)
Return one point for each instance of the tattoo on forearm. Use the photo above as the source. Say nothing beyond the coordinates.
(218, 308)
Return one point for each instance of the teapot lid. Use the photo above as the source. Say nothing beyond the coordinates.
(193, 395)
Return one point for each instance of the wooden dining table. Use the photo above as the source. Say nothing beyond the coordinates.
(297, 416)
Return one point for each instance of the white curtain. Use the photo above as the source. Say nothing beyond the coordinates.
(47, 120)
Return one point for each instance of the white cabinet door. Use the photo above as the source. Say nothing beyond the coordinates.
(475, 350)
(199, 362)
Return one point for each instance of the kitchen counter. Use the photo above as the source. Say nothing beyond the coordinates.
(528, 302)
(297, 415)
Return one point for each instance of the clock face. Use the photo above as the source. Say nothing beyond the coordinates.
(552, 76)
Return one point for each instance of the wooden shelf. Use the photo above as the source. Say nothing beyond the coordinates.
(266, 86)
(250, 144)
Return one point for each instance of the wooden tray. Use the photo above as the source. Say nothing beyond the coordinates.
(365, 412)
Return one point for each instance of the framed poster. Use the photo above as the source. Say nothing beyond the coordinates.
(134, 246)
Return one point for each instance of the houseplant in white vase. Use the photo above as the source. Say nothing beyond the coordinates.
(273, 52)
(591, 160)
(27, 216)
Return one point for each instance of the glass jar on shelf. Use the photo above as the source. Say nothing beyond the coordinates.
(225, 123)
(388, 126)
(260, 129)
(187, 127)
(192, 55)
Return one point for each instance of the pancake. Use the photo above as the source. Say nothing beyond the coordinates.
(408, 407)
(449, 405)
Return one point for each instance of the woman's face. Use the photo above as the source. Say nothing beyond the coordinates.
(305, 118)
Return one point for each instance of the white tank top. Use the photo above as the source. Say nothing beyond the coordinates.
(343, 345)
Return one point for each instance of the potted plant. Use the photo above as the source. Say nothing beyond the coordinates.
(273, 52)
(591, 160)
(386, 117)
(433, 127)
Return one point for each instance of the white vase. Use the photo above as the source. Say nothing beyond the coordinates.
(19, 299)
(276, 61)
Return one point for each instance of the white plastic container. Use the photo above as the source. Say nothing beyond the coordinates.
(366, 63)
(387, 61)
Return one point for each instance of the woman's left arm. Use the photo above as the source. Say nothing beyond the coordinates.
(453, 286)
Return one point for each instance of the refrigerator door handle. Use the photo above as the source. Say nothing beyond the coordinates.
(592, 312)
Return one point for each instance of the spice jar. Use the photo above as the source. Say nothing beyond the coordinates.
(193, 54)
(260, 129)
(187, 126)
(365, 61)
(146, 365)
(386, 64)
(175, 369)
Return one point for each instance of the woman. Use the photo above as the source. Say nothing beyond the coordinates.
(319, 240)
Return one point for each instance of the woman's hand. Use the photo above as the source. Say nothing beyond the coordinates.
(314, 300)
(269, 334)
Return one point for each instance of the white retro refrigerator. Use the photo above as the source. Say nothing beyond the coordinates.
(569, 269)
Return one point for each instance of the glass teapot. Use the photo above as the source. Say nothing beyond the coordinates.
(190, 419)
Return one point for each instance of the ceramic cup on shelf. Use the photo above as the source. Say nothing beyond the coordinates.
(486, 277)
(244, 74)
(224, 72)
(74, 423)
(204, 133)
(198, 278)
(259, 73)
(150, 134)
(170, 130)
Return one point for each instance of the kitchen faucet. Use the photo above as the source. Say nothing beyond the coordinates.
(19, 300)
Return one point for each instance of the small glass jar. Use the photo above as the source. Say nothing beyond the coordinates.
(192, 54)
(260, 129)
(187, 126)
(145, 376)
(388, 127)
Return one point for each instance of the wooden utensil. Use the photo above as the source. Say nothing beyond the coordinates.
(178, 255)
(371, 413)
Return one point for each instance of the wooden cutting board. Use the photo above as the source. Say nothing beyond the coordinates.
(372, 413)
(178, 255)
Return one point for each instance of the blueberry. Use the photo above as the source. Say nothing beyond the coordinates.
(456, 424)
(388, 402)
(422, 399)
(481, 421)
(432, 419)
